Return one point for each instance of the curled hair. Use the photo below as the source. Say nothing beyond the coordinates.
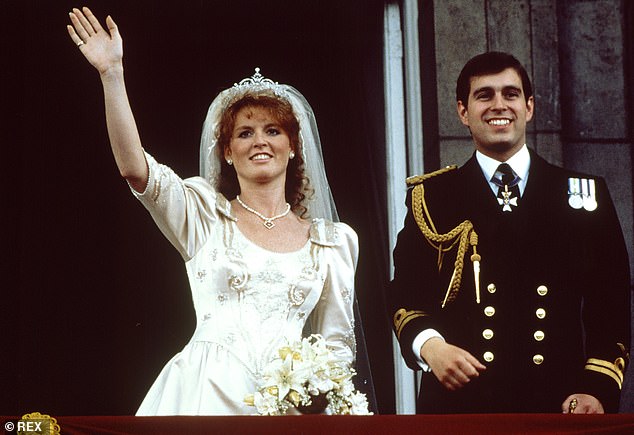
(297, 187)
(492, 62)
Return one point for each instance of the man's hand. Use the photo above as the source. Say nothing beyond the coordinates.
(582, 404)
(454, 367)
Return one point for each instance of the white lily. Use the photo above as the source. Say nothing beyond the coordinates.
(286, 375)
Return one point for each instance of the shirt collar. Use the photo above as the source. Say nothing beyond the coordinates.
(519, 162)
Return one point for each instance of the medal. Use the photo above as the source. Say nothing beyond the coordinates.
(574, 193)
(589, 195)
(582, 194)
(506, 201)
(508, 187)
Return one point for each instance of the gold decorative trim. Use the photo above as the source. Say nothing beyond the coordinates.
(462, 236)
(624, 353)
(53, 427)
(402, 317)
(417, 179)
(611, 369)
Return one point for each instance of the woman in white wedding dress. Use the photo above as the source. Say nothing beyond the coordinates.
(261, 273)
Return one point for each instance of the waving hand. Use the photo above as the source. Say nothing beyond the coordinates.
(103, 49)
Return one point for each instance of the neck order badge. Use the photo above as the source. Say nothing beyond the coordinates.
(509, 191)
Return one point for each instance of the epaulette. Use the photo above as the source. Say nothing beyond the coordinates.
(417, 179)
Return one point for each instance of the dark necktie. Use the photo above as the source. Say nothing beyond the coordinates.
(508, 188)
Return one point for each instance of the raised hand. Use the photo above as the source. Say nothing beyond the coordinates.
(103, 49)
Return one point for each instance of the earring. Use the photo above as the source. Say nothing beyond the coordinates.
(229, 162)
(291, 155)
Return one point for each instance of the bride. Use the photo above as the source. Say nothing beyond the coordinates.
(265, 261)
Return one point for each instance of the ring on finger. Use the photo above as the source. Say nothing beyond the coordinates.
(572, 406)
(80, 43)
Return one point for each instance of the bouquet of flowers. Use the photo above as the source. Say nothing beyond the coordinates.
(303, 375)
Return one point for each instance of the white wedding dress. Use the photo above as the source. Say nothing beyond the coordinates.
(248, 301)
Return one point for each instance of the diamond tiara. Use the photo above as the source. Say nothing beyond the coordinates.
(257, 82)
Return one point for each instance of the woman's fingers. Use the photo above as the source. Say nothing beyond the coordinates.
(74, 36)
(85, 25)
(112, 26)
(78, 27)
(84, 22)
(92, 20)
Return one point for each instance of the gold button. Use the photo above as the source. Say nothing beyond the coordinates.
(539, 335)
(491, 288)
(488, 356)
(487, 334)
(542, 290)
(489, 311)
(538, 359)
(540, 313)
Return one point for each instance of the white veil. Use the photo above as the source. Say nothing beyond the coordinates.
(321, 203)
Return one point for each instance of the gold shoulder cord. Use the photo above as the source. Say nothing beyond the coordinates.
(462, 235)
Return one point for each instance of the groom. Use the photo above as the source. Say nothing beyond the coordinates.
(512, 285)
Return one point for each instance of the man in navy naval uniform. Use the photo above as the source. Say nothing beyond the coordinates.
(512, 286)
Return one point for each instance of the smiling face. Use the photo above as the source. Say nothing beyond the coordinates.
(497, 113)
(259, 147)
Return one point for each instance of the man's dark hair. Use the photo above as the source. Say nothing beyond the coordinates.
(491, 62)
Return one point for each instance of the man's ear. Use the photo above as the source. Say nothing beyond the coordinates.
(462, 113)
(530, 106)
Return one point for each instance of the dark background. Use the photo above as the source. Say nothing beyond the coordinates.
(94, 299)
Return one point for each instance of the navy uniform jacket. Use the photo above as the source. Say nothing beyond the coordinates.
(554, 314)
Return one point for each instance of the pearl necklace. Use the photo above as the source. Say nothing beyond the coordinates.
(266, 221)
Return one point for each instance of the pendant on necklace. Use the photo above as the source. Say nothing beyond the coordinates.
(266, 221)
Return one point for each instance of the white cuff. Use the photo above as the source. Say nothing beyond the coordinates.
(418, 343)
